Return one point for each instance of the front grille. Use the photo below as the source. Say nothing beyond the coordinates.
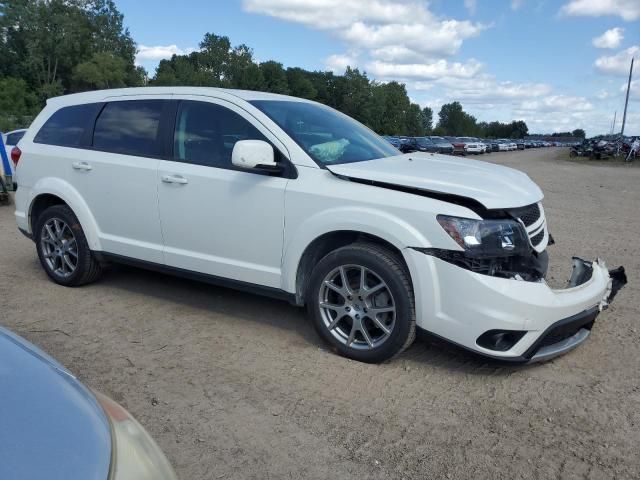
(529, 215)
(537, 238)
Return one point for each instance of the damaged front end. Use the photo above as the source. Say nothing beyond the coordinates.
(512, 313)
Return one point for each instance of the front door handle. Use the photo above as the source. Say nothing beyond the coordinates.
(81, 166)
(174, 179)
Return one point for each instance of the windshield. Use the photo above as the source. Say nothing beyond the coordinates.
(424, 142)
(326, 135)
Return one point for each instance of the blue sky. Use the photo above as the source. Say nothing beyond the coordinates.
(557, 65)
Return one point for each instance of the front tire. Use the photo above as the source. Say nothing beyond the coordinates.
(63, 249)
(361, 302)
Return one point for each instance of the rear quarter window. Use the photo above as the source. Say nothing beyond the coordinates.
(66, 127)
(14, 138)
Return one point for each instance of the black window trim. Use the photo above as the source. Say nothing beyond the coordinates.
(289, 170)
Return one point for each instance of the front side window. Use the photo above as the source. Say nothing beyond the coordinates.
(66, 126)
(326, 135)
(206, 133)
(130, 127)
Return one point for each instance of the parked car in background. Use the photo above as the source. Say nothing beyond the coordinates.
(457, 144)
(10, 140)
(54, 427)
(395, 141)
(520, 144)
(443, 145)
(290, 198)
(472, 145)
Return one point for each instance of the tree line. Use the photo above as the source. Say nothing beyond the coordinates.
(55, 47)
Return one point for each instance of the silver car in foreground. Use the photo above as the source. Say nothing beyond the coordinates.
(54, 427)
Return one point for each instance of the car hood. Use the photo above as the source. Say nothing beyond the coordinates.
(52, 426)
(494, 186)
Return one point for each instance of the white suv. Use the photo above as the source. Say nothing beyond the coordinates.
(290, 198)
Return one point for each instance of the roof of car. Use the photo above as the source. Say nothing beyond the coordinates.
(102, 95)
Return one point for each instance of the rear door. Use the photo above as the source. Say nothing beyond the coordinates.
(117, 176)
(218, 219)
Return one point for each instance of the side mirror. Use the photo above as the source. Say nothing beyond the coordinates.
(254, 155)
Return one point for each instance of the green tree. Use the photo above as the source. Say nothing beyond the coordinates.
(17, 103)
(103, 70)
(396, 106)
(274, 77)
(299, 84)
(415, 121)
(44, 41)
(455, 121)
(427, 120)
(579, 132)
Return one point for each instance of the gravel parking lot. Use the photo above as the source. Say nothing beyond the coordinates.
(238, 386)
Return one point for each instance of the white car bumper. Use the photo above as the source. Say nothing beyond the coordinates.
(473, 149)
(460, 306)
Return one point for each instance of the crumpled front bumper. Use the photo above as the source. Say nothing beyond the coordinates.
(460, 306)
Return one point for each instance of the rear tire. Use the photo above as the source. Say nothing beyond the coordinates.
(372, 320)
(63, 249)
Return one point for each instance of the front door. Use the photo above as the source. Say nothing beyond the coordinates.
(217, 219)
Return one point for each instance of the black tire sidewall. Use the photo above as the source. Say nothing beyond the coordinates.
(401, 296)
(65, 214)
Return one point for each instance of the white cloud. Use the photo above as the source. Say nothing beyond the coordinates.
(485, 89)
(338, 63)
(634, 92)
(628, 10)
(516, 4)
(619, 63)
(424, 71)
(557, 103)
(382, 26)
(159, 52)
(609, 39)
(471, 6)
(602, 95)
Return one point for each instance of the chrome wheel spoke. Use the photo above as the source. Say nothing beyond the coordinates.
(380, 324)
(331, 306)
(375, 310)
(59, 247)
(352, 334)
(335, 321)
(370, 291)
(345, 281)
(357, 315)
(335, 288)
(365, 334)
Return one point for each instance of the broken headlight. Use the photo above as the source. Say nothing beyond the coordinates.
(486, 238)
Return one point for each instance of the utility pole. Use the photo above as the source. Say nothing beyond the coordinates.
(626, 102)
(613, 125)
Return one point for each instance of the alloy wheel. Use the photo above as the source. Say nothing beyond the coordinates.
(59, 247)
(357, 307)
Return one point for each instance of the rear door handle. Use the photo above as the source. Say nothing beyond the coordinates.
(81, 166)
(174, 179)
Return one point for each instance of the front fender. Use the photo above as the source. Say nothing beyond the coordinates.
(373, 222)
(66, 192)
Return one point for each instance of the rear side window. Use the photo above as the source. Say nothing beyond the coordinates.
(66, 127)
(14, 138)
(130, 127)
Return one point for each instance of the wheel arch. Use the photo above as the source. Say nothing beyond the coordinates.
(328, 242)
(52, 191)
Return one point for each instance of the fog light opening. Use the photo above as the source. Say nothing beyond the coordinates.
(499, 340)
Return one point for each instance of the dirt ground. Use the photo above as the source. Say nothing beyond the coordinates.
(238, 386)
